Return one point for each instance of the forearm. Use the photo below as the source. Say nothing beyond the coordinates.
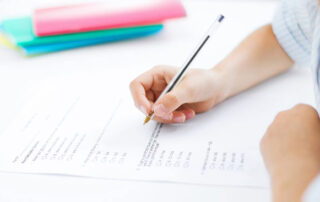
(258, 58)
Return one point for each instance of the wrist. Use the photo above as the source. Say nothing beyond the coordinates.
(285, 189)
(224, 80)
(290, 182)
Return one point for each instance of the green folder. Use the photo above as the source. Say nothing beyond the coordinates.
(20, 32)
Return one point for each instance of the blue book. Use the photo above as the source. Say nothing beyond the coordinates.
(19, 32)
(53, 47)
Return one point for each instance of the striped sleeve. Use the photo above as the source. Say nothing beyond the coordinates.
(313, 192)
(289, 33)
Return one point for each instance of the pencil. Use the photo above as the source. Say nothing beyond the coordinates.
(184, 68)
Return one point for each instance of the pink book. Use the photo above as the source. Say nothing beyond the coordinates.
(100, 16)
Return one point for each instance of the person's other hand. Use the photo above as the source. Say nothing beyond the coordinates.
(197, 92)
(291, 151)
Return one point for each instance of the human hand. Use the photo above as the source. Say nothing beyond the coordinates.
(291, 151)
(197, 92)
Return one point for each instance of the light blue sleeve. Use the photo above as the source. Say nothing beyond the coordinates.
(290, 26)
(313, 193)
(295, 27)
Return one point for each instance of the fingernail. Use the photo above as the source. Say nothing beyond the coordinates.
(143, 110)
(179, 119)
(189, 114)
(161, 111)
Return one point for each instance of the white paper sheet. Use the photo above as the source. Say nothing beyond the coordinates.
(85, 128)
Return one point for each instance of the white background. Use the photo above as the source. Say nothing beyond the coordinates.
(171, 46)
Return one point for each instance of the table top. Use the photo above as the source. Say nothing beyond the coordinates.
(171, 47)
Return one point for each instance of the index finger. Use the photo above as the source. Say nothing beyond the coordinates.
(139, 87)
(154, 80)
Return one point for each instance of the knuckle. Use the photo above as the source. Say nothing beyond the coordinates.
(157, 67)
(164, 69)
(133, 84)
(302, 107)
(305, 108)
(280, 116)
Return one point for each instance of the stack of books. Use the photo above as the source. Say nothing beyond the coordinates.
(66, 27)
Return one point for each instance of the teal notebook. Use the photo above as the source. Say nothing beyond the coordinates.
(20, 32)
(40, 49)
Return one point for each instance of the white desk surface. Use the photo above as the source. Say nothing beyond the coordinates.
(168, 47)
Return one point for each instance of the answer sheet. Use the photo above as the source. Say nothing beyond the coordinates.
(84, 128)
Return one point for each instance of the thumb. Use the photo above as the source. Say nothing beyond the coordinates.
(169, 103)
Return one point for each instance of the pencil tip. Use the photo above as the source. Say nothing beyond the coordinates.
(146, 120)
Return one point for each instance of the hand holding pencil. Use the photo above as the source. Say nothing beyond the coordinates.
(197, 92)
(172, 111)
